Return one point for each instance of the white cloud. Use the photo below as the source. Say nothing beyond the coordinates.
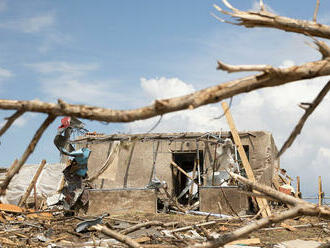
(33, 24)
(287, 63)
(71, 82)
(200, 119)
(159, 88)
(4, 73)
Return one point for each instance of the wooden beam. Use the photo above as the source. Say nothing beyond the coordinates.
(182, 170)
(262, 203)
(298, 193)
(33, 182)
(320, 191)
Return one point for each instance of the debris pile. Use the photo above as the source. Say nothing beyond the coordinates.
(20, 227)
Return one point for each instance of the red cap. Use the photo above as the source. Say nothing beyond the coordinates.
(65, 121)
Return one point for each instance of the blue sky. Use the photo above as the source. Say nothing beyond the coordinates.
(124, 54)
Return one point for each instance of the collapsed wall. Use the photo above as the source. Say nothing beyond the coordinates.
(132, 165)
(119, 162)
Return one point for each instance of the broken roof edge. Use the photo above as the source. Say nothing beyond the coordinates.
(91, 138)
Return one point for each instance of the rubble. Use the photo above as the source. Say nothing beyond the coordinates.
(52, 228)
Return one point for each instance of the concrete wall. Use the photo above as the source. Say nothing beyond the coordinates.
(232, 202)
(121, 201)
(135, 171)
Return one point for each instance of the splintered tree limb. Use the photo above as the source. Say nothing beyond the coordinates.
(120, 237)
(236, 234)
(141, 225)
(27, 152)
(268, 191)
(10, 121)
(308, 111)
(301, 207)
(240, 68)
(316, 10)
(306, 207)
(323, 48)
(267, 19)
(278, 76)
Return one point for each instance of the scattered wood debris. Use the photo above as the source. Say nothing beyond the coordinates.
(21, 227)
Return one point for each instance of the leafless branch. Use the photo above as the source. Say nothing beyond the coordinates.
(316, 10)
(308, 111)
(278, 76)
(267, 19)
(300, 208)
(262, 6)
(240, 68)
(10, 121)
(236, 234)
(120, 237)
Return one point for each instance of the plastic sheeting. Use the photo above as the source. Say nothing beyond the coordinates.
(48, 182)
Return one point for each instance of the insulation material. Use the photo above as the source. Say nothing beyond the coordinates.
(225, 154)
(48, 182)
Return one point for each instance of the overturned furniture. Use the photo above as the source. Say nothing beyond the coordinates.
(190, 164)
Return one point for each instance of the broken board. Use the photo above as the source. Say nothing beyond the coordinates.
(262, 203)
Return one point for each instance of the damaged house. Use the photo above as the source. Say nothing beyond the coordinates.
(130, 172)
(151, 172)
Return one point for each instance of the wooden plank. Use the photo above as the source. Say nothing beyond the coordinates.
(243, 242)
(298, 193)
(10, 208)
(182, 170)
(33, 182)
(262, 203)
(320, 191)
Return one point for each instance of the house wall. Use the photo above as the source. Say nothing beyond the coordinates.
(135, 171)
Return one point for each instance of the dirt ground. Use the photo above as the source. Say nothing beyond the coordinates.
(44, 229)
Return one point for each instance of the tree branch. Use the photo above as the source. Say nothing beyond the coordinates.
(240, 68)
(308, 111)
(267, 19)
(316, 10)
(10, 121)
(307, 208)
(301, 207)
(236, 234)
(120, 237)
(277, 76)
(27, 153)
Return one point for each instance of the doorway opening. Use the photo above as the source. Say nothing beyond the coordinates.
(182, 185)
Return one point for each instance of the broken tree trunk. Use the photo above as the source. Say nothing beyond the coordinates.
(262, 203)
(120, 237)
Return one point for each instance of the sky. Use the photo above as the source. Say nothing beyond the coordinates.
(125, 54)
